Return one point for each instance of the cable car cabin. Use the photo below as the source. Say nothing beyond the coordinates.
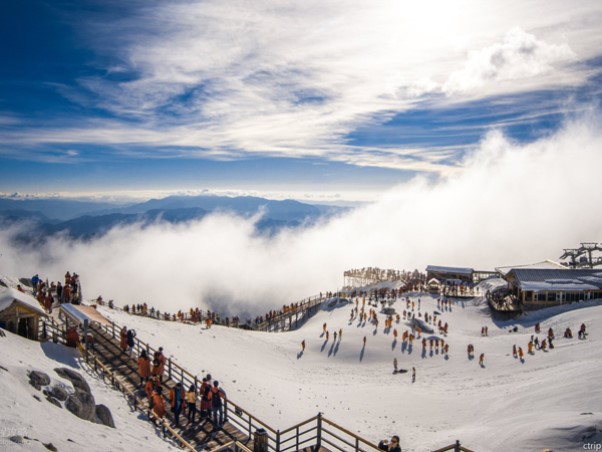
(20, 313)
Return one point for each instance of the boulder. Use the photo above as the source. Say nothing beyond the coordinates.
(59, 393)
(74, 377)
(38, 379)
(82, 405)
(18, 439)
(104, 416)
(54, 401)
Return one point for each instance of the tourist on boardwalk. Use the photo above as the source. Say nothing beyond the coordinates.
(217, 405)
(391, 446)
(158, 406)
(144, 369)
(123, 336)
(176, 397)
(205, 399)
(191, 397)
(151, 385)
(159, 364)
(130, 335)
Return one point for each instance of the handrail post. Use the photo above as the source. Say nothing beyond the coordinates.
(113, 333)
(278, 441)
(169, 368)
(319, 432)
(297, 438)
(457, 446)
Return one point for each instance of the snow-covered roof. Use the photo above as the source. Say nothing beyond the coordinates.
(547, 264)
(455, 270)
(80, 314)
(8, 296)
(537, 279)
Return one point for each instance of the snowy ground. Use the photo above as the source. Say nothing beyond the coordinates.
(22, 415)
(552, 400)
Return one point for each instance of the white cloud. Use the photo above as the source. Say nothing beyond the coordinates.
(519, 56)
(512, 203)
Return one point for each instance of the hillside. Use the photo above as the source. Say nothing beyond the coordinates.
(23, 415)
(549, 401)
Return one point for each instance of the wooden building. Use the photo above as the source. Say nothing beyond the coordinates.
(20, 313)
(540, 288)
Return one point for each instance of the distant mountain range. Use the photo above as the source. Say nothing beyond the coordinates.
(85, 219)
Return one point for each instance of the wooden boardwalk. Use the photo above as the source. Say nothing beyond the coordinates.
(199, 434)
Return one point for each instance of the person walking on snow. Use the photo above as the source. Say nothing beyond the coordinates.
(482, 360)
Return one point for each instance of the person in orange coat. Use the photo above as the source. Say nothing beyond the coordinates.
(158, 404)
(159, 364)
(151, 384)
(205, 399)
(123, 339)
(144, 369)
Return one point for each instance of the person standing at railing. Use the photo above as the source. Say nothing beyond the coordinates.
(159, 364)
(123, 339)
(205, 400)
(130, 335)
(217, 405)
(391, 446)
(191, 397)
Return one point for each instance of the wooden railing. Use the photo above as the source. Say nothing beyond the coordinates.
(456, 447)
(312, 433)
(51, 330)
(305, 309)
(136, 402)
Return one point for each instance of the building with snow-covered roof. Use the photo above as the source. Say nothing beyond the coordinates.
(547, 264)
(20, 313)
(443, 274)
(537, 288)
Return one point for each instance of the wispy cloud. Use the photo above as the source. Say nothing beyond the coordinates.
(224, 79)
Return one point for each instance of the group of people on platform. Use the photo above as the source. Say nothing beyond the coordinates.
(49, 294)
(210, 397)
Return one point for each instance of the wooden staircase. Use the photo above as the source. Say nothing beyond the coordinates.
(198, 434)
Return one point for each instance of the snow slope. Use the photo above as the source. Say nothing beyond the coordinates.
(552, 400)
(21, 414)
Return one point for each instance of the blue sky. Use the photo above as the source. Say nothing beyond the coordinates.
(339, 100)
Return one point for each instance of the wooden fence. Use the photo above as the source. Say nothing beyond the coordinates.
(314, 433)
